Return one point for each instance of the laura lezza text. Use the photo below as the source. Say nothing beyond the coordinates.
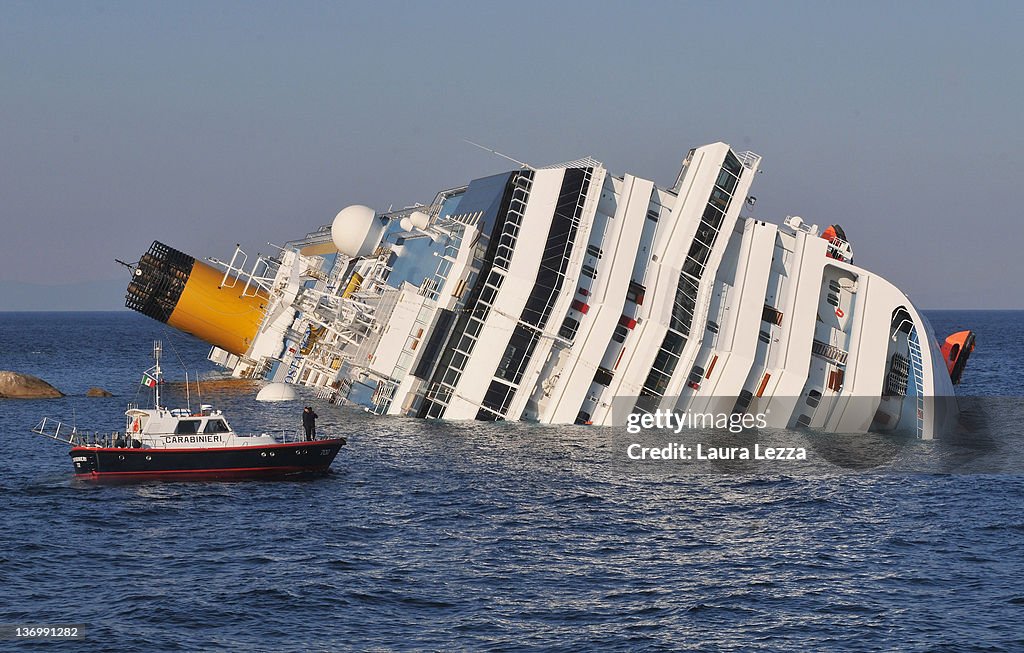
(679, 451)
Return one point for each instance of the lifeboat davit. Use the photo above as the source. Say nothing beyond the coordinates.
(839, 246)
(955, 351)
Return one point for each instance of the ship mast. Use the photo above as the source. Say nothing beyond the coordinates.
(157, 373)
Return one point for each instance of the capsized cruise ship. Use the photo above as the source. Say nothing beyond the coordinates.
(565, 294)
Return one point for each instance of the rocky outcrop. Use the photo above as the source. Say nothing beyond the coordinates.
(98, 392)
(14, 385)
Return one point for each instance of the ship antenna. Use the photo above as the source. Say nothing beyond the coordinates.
(188, 401)
(504, 156)
(130, 266)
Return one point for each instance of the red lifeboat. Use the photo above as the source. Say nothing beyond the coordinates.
(955, 351)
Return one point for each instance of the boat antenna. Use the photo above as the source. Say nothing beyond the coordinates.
(181, 361)
(504, 156)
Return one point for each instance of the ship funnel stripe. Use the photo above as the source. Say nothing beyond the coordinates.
(159, 281)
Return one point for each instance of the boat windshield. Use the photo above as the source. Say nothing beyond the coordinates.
(187, 427)
(215, 426)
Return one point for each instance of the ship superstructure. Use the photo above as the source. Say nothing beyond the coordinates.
(565, 294)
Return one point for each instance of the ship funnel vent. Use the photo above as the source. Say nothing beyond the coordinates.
(159, 281)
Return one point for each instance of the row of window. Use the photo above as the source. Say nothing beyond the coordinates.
(513, 221)
(454, 359)
(546, 288)
(685, 302)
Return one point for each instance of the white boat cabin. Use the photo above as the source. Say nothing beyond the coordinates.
(178, 428)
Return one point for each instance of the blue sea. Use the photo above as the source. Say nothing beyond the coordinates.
(501, 537)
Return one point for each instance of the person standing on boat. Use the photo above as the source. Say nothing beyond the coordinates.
(309, 422)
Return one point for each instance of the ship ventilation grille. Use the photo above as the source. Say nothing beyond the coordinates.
(896, 382)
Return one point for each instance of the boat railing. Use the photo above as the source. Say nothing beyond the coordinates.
(69, 434)
(749, 159)
(285, 436)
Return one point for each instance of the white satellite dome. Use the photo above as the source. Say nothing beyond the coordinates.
(419, 219)
(276, 392)
(407, 224)
(356, 231)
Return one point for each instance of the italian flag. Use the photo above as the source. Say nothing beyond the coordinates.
(148, 381)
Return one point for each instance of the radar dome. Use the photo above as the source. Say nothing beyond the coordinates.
(406, 224)
(356, 231)
(276, 392)
(419, 219)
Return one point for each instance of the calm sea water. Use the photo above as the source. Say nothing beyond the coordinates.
(498, 537)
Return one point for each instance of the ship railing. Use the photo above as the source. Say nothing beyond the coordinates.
(261, 275)
(748, 159)
(57, 430)
(285, 436)
(843, 248)
(69, 434)
(585, 162)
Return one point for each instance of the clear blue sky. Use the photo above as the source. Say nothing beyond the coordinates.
(203, 124)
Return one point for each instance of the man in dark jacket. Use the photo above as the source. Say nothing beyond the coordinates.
(309, 422)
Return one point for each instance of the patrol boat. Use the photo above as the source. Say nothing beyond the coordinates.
(178, 443)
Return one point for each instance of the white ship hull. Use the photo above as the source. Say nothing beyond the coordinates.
(566, 295)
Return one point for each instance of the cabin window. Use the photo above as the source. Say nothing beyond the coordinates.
(215, 426)
(652, 215)
(459, 361)
(620, 333)
(589, 271)
(743, 401)
(772, 315)
(594, 251)
(713, 326)
(764, 337)
(603, 377)
(570, 326)
(731, 163)
(187, 427)
(813, 398)
(635, 293)
(696, 375)
(719, 198)
(726, 181)
(487, 295)
(713, 217)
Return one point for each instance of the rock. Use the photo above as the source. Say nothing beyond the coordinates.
(98, 392)
(14, 385)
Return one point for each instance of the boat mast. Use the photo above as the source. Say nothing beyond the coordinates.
(157, 348)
